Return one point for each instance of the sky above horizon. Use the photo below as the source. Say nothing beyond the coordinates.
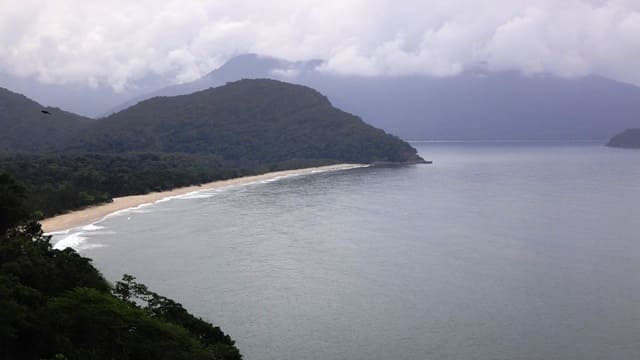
(115, 43)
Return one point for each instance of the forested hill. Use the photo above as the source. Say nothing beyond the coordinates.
(629, 138)
(246, 122)
(243, 128)
(29, 126)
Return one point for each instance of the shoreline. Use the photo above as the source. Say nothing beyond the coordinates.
(96, 213)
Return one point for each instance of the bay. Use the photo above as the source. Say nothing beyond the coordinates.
(499, 250)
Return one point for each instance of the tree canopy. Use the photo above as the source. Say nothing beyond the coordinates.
(55, 304)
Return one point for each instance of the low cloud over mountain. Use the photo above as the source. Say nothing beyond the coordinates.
(118, 43)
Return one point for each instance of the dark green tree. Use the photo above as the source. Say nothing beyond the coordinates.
(55, 304)
(12, 197)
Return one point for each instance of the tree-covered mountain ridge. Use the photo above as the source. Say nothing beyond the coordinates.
(247, 127)
(243, 122)
(25, 125)
(248, 121)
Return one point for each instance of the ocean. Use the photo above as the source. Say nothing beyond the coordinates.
(498, 250)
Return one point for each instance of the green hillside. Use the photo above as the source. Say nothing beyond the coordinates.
(248, 121)
(243, 128)
(26, 128)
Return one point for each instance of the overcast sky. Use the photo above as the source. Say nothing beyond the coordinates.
(116, 42)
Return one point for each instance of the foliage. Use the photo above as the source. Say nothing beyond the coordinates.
(12, 195)
(60, 182)
(24, 127)
(246, 122)
(242, 128)
(55, 304)
(166, 309)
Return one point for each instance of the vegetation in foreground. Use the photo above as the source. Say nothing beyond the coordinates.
(55, 305)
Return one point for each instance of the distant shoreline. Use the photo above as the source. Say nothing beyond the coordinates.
(93, 214)
(506, 140)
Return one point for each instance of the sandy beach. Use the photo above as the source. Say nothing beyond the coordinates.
(92, 214)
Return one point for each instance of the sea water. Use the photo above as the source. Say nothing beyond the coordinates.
(498, 250)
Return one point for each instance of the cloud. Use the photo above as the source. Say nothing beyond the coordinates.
(117, 42)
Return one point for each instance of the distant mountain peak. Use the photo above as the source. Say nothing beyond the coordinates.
(246, 64)
(256, 66)
(476, 104)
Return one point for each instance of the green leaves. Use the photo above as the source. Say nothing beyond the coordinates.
(12, 197)
(93, 325)
(55, 304)
(157, 306)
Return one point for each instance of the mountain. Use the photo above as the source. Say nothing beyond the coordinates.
(629, 139)
(246, 122)
(489, 106)
(57, 305)
(472, 105)
(243, 128)
(25, 127)
(247, 66)
(476, 104)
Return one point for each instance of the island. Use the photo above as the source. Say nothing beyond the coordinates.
(628, 139)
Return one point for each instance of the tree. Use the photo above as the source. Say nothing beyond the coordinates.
(12, 197)
(55, 304)
(129, 290)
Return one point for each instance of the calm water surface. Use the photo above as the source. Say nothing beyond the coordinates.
(496, 251)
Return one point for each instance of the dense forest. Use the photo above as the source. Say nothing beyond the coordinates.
(243, 128)
(629, 139)
(28, 126)
(59, 182)
(245, 123)
(55, 305)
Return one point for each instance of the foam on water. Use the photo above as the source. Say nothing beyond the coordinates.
(73, 241)
(92, 227)
(140, 209)
(195, 195)
(55, 233)
(78, 237)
